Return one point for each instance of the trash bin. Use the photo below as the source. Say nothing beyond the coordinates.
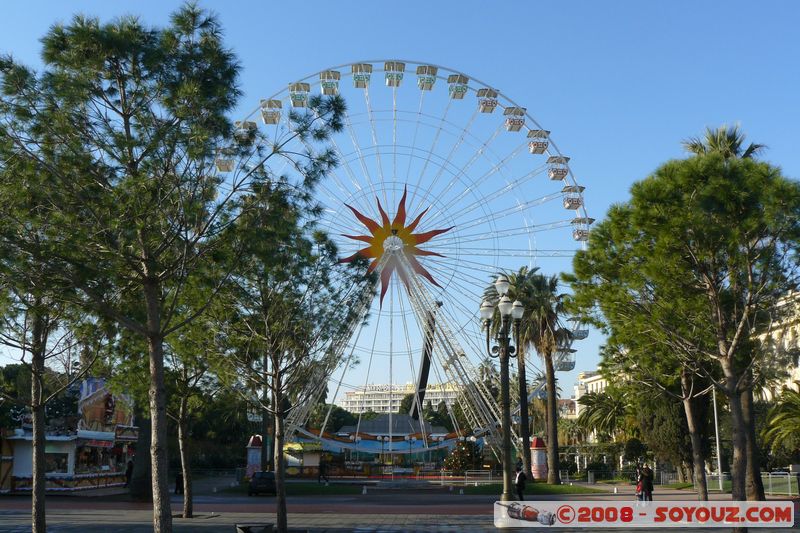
(254, 528)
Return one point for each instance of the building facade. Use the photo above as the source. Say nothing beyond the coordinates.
(783, 342)
(386, 398)
(588, 382)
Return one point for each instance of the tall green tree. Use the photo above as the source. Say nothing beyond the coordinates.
(544, 311)
(729, 142)
(122, 129)
(281, 318)
(710, 247)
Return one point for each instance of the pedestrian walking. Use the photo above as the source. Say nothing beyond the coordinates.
(179, 482)
(519, 482)
(323, 472)
(646, 478)
(128, 473)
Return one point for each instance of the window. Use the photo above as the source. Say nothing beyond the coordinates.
(56, 463)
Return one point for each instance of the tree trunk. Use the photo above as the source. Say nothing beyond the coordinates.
(266, 422)
(183, 446)
(162, 511)
(698, 461)
(280, 467)
(738, 439)
(37, 418)
(754, 487)
(553, 475)
(524, 423)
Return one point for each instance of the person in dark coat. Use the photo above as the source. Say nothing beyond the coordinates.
(647, 483)
(128, 473)
(323, 472)
(179, 482)
(519, 483)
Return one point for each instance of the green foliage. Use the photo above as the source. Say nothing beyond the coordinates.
(664, 430)
(438, 416)
(782, 431)
(338, 417)
(607, 412)
(369, 414)
(405, 403)
(726, 141)
(634, 449)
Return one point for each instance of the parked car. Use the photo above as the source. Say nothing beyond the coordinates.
(262, 482)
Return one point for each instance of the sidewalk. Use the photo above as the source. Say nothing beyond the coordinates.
(328, 522)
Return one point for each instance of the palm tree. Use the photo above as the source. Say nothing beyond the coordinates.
(783, 421)
(541, 329)
(520, 289)
(605, 412)
(571, 432)
(725, 140)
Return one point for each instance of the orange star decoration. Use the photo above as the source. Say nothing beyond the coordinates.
(394, 237)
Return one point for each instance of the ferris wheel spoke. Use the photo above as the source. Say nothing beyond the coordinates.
(513, 232)
(375, 143)
(476, 184)
(345, 368)
(416, 132)
(431, 151)
(475, 157)
(361, 158)
(502, 191)
(508, 211)
(463, 134)
(333, 174)
(394, 139)
(366, 379)
(474, 289)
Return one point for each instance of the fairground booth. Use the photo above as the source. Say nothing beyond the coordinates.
(397, 444)
(87, 451)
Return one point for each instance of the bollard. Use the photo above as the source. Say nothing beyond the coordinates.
(615, 490)
(364, 490)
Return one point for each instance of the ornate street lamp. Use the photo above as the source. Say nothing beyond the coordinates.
(356, 439)
(508, 310)
(410, 440)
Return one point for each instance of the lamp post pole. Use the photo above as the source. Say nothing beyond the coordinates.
(504, 351)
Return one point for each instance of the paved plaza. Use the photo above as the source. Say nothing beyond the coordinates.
(395, 510)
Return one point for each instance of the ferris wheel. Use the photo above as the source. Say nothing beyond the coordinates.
(442, 183)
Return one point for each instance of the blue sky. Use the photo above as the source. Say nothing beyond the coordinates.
(619, 84)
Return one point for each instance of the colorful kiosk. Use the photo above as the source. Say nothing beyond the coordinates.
(93, 453)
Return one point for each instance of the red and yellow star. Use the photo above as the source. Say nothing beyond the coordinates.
(394, 237)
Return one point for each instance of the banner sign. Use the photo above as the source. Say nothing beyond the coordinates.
(597, 514)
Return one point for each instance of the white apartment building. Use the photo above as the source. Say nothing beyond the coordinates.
(783, 340)
(588, 382)
(386, 398)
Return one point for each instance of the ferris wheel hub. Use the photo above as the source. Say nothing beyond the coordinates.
(393, 243)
